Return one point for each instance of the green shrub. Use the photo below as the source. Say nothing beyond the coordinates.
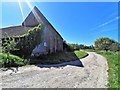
(11, 60)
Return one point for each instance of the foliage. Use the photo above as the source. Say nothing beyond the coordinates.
(114, 47)
(79, 46)
(11, 60)
(31, 39)
(24, 43)
(59, 57)
(8, 44)
(80, 54)
(74, 46)
(106, 44)
(113, 63)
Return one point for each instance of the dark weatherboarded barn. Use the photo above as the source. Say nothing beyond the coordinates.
(52, 41)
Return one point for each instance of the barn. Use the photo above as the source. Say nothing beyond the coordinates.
(52, 41)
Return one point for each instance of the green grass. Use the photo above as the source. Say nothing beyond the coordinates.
(11, 60)
(113, 63)
(80, 54)
(60, 57)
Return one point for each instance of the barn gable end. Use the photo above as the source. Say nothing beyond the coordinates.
(34, 18)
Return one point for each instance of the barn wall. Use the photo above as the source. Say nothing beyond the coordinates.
(54, 41)
(34, 18)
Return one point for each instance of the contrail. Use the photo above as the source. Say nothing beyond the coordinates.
(108, 22)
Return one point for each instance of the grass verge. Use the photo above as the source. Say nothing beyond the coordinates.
(59, 57)
(80, 54)
(113, 63)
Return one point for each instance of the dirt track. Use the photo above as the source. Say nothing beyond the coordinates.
(92, 75)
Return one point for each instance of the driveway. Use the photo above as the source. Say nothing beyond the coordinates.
(89, 72)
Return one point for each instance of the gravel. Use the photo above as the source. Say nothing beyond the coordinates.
(93, 74)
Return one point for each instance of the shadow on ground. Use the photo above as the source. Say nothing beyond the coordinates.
(59, 59)
(77, 63)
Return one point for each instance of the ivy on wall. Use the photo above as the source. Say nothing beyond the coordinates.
(26, 42)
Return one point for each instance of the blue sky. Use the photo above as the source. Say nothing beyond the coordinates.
(81, 22)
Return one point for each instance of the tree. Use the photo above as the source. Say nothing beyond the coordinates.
(82, 46)
(114, 47)
(104, 43)
(73, 46)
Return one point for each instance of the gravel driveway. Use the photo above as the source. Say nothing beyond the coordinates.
(93, 74)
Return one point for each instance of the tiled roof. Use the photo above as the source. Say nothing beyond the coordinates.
(14, 31)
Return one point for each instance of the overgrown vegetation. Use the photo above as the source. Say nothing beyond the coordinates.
(8, 60)
(21, 46)
(24, 43)
(59, 57)
(113, 63)
(8, 44)
(107, 44)
(30, 40)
